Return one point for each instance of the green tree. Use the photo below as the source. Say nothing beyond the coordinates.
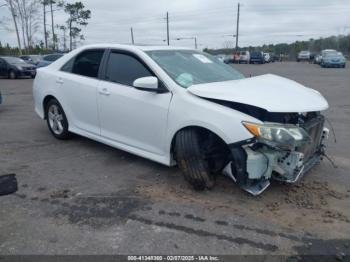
(78, 17)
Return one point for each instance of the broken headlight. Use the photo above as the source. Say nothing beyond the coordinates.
(277, 135)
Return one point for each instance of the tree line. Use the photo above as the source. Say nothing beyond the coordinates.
(33, 21)
(340, 43)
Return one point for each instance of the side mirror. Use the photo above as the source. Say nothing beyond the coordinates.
(149, 83)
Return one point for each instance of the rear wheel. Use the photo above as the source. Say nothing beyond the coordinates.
(12, 74)
(56, 120)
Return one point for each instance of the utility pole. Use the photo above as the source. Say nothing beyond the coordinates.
(132, 36)
(45, 32)
(237, 29)
(167, 28)
(16, 27)
(195, 42)
(53, 27)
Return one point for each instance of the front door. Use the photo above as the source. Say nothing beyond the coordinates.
(129, 116)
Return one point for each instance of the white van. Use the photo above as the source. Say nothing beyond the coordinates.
(244, 57)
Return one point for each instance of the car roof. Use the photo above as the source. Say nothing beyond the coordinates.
(8, 56)
(139, 47)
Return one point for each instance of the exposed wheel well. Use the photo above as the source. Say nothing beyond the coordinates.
(46, 100)
(214, 141)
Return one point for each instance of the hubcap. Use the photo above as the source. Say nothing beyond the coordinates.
(55, 117)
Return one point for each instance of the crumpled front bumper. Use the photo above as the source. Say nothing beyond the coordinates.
(254, 166)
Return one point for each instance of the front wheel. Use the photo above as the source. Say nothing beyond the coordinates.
(12, 74)
(192, 161)
(56, 120)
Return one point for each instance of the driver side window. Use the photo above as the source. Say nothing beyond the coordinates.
(125, 69)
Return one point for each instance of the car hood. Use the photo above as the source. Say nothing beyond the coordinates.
(270, 92)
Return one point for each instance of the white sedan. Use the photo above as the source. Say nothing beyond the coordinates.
(181, 106)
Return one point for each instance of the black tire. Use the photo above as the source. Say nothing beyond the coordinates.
(64, 134)
(12, 74)
(191, 160)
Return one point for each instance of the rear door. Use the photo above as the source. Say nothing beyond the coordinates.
(77, 83)
(127, 115)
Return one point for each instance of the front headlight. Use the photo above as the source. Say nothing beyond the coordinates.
(19, 67)
(278, 135)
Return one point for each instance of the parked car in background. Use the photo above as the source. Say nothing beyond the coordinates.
(257, 57)
(312, 57)
(236, 56)
(244, 57)
(318, 59)
(228, 59)
(221, 57)
(48, 59)
(304, 56)
(333, 59)
(31, 59)
(267, 57)
(14, 67)
(150, 101)
(326, 51)
(273, 57)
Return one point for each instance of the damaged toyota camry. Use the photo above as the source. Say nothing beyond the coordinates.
(185, 107)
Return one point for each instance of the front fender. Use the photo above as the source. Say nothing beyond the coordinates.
(188, 110)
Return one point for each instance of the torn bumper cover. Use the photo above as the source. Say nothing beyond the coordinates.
(280, 152)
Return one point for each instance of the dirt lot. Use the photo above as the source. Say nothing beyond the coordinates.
(82, 197)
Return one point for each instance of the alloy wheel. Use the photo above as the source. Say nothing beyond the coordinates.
(55, 117)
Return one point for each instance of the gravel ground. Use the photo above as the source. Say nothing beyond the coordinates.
(82, 197)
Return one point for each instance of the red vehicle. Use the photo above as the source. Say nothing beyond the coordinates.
(236, 57)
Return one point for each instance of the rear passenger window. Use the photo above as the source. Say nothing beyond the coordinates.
(87, 63)
(125, 69)
(68, 67)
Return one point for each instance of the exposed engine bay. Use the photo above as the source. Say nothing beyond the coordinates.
(285, 147)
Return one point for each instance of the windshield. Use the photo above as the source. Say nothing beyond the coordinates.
(333, 55)
(326, 52)
(256, 54)
(189, 67)
(14, 60)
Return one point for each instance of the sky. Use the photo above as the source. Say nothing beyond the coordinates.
(213, 22)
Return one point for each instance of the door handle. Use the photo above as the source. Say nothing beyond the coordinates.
(59, 81)
(104, 91)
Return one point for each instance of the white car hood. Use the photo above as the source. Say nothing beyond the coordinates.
(270, 92)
